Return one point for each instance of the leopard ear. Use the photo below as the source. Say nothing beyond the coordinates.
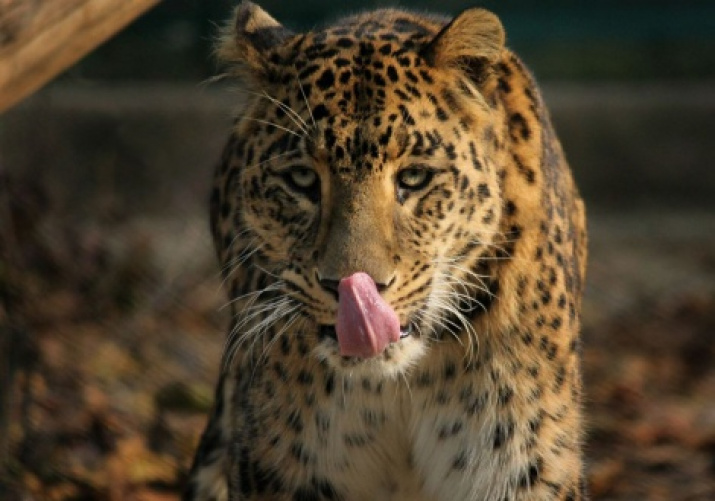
(250, 37)
(472, 41)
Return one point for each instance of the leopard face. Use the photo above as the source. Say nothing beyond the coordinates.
(369, 147)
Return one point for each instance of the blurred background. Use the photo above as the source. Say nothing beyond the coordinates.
(111, 326)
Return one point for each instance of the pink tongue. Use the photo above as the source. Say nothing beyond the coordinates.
(366, 323)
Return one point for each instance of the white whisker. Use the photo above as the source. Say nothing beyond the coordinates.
(307, 104)
(292, 114)
(272, 124)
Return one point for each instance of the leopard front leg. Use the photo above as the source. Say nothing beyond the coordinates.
(207, 479)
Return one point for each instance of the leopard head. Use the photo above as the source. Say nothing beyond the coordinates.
(361, 183)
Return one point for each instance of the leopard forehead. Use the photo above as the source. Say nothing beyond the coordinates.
(360, 41)
(367, 95)
(376, 63)
(350, 65)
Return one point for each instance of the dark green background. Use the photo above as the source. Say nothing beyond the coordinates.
(560, 39)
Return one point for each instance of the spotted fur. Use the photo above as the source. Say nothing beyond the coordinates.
(418, 150)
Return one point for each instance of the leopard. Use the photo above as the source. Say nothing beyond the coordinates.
(403, 247)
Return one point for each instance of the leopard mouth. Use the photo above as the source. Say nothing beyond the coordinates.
(365, 324)
(328, 331)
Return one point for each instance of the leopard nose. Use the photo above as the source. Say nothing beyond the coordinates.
(383, 286)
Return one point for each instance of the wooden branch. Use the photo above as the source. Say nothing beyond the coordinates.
(41, 38)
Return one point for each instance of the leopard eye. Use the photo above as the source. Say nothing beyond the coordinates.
(301, 178)
(414, 178)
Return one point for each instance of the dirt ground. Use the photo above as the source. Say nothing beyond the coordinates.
(116, 332)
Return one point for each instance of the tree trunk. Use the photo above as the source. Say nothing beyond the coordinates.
(41, 38)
